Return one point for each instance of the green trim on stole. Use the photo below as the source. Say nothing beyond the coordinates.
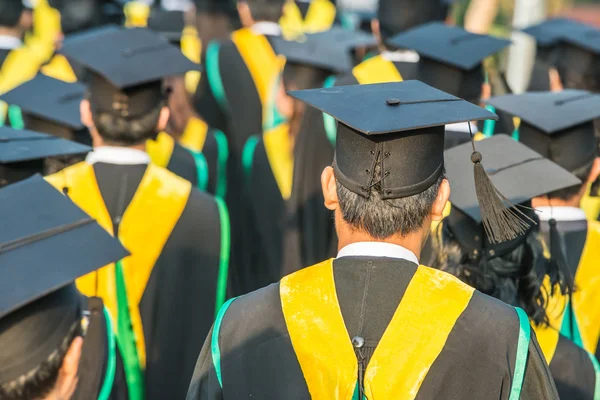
(596, 366)
(214, 75)
(214, 341)
(570, 327)
(201, 169)
(248, 156)
(522, 352)
(111, 364)
(224, 255)
(328, 121)
(223, 156)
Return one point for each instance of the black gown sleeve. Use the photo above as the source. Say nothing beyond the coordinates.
(538, 382)
(573, 371)
(205, 385)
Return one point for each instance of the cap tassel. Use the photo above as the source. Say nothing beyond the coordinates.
(501, 219)
(558, 271)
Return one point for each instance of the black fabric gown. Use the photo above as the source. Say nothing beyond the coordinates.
(473, 364)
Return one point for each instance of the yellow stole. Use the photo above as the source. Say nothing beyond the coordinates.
(145, 228)
(20, 66)
(376, 70)
(325, 353)
(548, 336)
(194, 135)
(160, 149)
(320, 17)
(278, 147)
(262, 62)
(60, 68)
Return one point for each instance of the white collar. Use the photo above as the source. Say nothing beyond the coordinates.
(267, 28)
(560, 213)
(409, 56)
(462, 127)
(8, 42)
(117, 155)
(176, 5)
(377, 249)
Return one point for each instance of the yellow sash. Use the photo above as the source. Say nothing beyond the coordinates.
(376, 70)
(160, 150)
(20, 65)
(60, 68)
(320, 17)
(591, 204)
(261, 60)
(194, 135)
(547, 336)
(326, 356)
(136, 14)
(191, 47)
(278, 147)
(145, 228)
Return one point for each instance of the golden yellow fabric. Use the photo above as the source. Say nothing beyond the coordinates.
(318, 333)
(194, 135)
(20, 65)
(145, 228)
(262, 62)
(60, 68)
(591, 205)
(136, 14)
(586, 299)
(376, 70)
(320, 17)
(160, 149)
(547, 336)
(410, 345)
(278, 147)
(191, 47)
(46, 30)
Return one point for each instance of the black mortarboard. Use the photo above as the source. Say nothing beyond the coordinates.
(22, 152)
(451, 58)
(168, 23)
(50, 99)
(346, 38)
(400, 126)
(314, 52)
(550, 32)
(127, 66)
(10, 12)
(558, 125)
(578, 59)
(45, 244)
(398, 16)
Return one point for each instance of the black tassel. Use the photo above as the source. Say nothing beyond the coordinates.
(558, 271)
(501, 219)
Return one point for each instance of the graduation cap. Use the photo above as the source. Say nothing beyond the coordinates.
(396, 17)
(550, 32)
(346, 38)
(49, 99)
(127, 67)
(46, 243)
(400, 126)
(314, 52)
(520, 174)
(451, 58)
(558, 125)
(22, 152)
(168, 23)
(10, 12)
(578, 58)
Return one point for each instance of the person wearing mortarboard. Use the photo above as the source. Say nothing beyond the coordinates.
(560, 126)
(517, 271)
(48, 105)
(233, 97)
(56, 343)
(163, 297)
(268, 158)
(373, 323)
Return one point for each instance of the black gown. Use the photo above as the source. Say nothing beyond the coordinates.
(310, 234)
(95, 356)
(473, 363)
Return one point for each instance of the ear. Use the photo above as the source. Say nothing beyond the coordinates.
(86, 113)
(67, 375)
(165, 113)
(329, 188)
(376, 31)
(595, 172)
(437, 211)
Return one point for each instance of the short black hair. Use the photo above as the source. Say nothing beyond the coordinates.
(127, 131)
(40, 381)
(583, 173)
(384, 218)
(265, 10)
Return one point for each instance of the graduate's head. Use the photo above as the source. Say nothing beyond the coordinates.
(451, 59)
(397, 16)
(387, 180)
(253, 11)
(512, 271)
(126, 101)
(578, 67)
(14, 15)
(559, 126)
(47, 242)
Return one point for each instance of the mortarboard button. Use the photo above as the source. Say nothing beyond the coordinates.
(393, 102)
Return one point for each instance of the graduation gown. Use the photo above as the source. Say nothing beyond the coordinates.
(101, 370)
(299, 331)
(580, 320)
(178, 238)
(269, 184)
(307, 17)
(310, 235)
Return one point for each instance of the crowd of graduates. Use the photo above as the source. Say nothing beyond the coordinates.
(280, 199)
